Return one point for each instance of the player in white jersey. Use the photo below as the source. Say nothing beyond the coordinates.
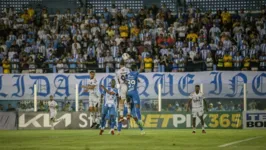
(109, 106)
(197, 102)
(52, 111)
(94, 99)
(121, 75)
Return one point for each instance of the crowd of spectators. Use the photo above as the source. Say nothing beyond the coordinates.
(156, 39)
(147, 105)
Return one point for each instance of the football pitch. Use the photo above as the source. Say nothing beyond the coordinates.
(155, 139)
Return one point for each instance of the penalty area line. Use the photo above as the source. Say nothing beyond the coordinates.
(236, 142)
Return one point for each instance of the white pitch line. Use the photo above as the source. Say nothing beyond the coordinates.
(236, 142)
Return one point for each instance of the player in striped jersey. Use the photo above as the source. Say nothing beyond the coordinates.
(109, 106)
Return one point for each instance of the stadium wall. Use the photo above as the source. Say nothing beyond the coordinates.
(152, 120)
(8, 121)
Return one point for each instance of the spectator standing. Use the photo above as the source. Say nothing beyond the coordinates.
(163, 63)
(118, 59)
(181, 63)
(254, 63)
(209, 62)
(109, 60)
(15, 64)
(246, 63)
(72, 61)
(227, 59)
(156, 64)
(262, 61)
(60, 66)
(32, 66)
(6, 65)
(148, 63)
(238, 61)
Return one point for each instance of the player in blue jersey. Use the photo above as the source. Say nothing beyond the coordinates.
(109, 106)
(132, 82)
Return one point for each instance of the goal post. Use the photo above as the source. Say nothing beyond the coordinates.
(35, 97)
(159, 97)
(245, 97)
(77, 98)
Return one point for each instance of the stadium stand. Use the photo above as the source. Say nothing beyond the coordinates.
(171, 36)
(33, 40)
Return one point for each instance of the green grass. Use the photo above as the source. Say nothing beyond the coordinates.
(130, 140)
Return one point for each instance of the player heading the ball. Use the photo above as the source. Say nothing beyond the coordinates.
(121, 76)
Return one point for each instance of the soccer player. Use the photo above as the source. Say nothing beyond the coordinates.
(109, 106)
(52, 111)
(134, 96)
(125, 112)
(93, 99)
(121, 75)
(197, 100)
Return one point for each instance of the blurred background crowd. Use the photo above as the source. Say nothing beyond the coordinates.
(146, 105)
(157, 39)
(34, 41)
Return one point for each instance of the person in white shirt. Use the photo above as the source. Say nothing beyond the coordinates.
(156, 64)
(52, 111)
(209, 62)
(213, 31)
(182, 31)
(124, 11)
(121, 76)
(60, 66)
(196, 101)
(94, 99)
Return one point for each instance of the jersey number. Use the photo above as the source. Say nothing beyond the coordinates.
(123, 77)
(131, 83)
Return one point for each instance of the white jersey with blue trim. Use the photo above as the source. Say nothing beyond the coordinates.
(111, 100)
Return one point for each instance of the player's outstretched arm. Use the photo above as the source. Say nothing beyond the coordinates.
(85, 86)
(90, 87)
(107, 91)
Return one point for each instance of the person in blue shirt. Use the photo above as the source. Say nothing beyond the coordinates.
(132, 82)
(109, 106)
(72, 64)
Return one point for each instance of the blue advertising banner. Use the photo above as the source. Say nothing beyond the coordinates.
(174, 85)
